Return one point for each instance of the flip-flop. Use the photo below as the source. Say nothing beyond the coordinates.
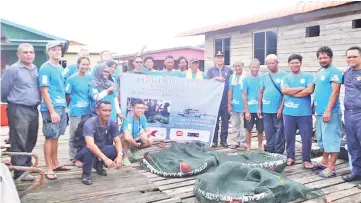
(52, 174)
(307, 167)
(290, 162)
(318, 165)
(327, 173)
(162, 145)
(235, 146)
(61, 168)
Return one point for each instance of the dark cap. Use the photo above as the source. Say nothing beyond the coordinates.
(194, 60)
(219, 53)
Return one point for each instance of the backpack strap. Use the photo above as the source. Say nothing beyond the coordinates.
(274, 84)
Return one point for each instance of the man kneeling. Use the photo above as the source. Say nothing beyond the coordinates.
(135, 134)
(99, 133)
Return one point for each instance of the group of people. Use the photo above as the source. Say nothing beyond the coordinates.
(280, 103)
(277, 103)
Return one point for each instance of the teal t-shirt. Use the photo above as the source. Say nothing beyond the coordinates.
(237, 102)
(155, 72)
(272, 98)
(77, 88)
(134, 126)
(110, 98)
(323, 88)
(51, 76)
(252, 85)
(174, 73)
(297, 106)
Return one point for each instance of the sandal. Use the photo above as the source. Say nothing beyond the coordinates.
(327, 173)
(235, 146)
(61, 168)
(51, 174)
(307, 165)
(318, 165)
(290, 162)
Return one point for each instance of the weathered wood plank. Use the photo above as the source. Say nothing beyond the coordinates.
(356, 198)
(171, 200)
(175, 191)
(176, 185)
(190, 200)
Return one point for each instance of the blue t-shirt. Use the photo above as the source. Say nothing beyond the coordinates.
(272, 98)
(102, 135)
(51, 76)
(297, 106)
(134, 126)
(237, 102)
(194, 75)
(323, 88)
(71, 69)
(174, 73)
(110, 98)
(77, 88)
(251, 84)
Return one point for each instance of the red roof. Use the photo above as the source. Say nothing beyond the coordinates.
(302, 7)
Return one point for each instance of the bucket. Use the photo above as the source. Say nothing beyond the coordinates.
(4, 117)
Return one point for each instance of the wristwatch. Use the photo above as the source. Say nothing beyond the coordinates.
(120, 153)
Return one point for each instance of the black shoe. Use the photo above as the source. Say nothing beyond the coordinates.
(99, 167)
(86, 179)
(351, 177)
(224, 144)
(215, 144)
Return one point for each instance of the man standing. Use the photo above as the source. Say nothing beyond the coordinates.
(250, 90)
(328, 113)
(352, 82)
(270, 104)
(135, 133)
(235, 105)
(52, 107)
(297, 112)
(73, 68)
(20, 89)
(99, 133)
(169, 68)
(221, 73)
(194, 72)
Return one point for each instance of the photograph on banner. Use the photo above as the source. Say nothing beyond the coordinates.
(176, 109)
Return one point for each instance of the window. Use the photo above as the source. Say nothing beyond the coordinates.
(313, 31)
(224, 45)
(356, 23)
(264, 43)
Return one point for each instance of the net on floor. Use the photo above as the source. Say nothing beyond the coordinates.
(181, 159)
(234, 182)
(255, 159)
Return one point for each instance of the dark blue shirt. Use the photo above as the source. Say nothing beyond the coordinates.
(102, 135)
(225, 72)
(352, 82)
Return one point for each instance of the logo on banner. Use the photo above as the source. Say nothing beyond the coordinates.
(179, 133)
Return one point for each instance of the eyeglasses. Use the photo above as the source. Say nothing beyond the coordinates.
(138, 61)
(235, 66)
(106, 71)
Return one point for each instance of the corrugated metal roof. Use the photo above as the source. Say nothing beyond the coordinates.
(302, 7)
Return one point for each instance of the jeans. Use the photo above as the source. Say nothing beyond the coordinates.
(274, 133)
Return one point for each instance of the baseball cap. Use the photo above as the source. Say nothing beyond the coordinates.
(52, 44)
(219, 53)
(194, 60)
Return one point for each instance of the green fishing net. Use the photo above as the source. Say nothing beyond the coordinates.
(181, 159)
(235, 182)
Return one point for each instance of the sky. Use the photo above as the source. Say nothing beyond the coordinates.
(125, 26)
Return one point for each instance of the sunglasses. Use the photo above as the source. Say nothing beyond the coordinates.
(106, 71)
(138, 61)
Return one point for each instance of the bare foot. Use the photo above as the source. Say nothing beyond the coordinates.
(260, 147)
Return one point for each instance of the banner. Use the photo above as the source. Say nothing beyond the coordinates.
(177, 109)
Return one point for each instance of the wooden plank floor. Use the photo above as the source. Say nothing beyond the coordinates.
(133, 184)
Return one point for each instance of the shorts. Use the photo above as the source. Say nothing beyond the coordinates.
(51, 130)
(329, 134)
(254, 120)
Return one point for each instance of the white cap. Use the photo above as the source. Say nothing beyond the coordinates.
(271, 57)
(52, 44)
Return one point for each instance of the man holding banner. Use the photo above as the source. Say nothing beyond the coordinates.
(221, 73)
